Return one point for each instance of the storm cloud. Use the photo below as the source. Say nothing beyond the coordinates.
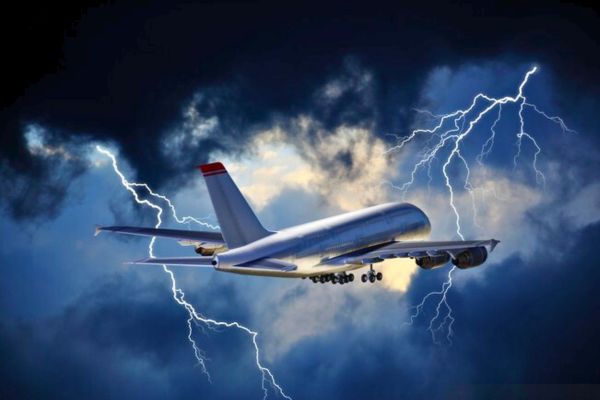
(301, 102)
(130, 75)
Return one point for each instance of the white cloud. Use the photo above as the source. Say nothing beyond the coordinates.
(583, 208)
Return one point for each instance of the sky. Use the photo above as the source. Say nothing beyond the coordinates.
(315, 109)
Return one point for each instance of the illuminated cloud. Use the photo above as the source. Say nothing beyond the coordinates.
(36, 139)
(398, 274)
(41, 144)
(340, 166)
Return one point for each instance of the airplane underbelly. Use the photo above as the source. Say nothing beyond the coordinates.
(305, 271)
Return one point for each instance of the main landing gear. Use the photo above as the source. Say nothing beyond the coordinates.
(371, 275)
(341, 278)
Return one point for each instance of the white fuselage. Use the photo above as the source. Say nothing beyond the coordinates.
(311, 245)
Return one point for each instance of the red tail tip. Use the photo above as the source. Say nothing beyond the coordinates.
(212, 169)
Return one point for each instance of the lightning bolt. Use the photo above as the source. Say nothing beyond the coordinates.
(194, 317)
(450, 130)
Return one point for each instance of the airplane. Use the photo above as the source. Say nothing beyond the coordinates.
(326, 250)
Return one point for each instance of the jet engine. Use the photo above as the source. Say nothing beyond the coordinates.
(431, 262)
(471, 258)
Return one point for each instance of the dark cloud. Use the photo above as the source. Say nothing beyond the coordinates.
(545, 318)
(529, 322)
(36, 186)
(121, 340)
(123, 73)
(77, 353)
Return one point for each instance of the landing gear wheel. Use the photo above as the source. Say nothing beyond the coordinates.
(363, 278)
(379, 276)
(372, 278)
(322, 279)
(342, 280)
(334, 279)
(351, 278)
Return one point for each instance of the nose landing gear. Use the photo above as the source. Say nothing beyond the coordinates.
(371, 275)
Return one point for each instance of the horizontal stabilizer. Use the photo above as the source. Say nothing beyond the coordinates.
(180, 234)
(181, 261)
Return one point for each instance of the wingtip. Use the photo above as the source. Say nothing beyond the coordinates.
(97, 230)
(137, 262)
(493, 245)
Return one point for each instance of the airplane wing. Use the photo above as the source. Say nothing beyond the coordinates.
(270, 263)
(181, 261)
(180, 234)
(384, 251)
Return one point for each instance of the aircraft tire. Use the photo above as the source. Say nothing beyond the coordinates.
(363, 278)
(379, 276)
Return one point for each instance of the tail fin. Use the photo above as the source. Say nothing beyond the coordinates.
(239, 225)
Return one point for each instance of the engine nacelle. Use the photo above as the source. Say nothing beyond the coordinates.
(431, 262)
(471, 258)
(209, 251)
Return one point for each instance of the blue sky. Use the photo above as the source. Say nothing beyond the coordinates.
(318, 139)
